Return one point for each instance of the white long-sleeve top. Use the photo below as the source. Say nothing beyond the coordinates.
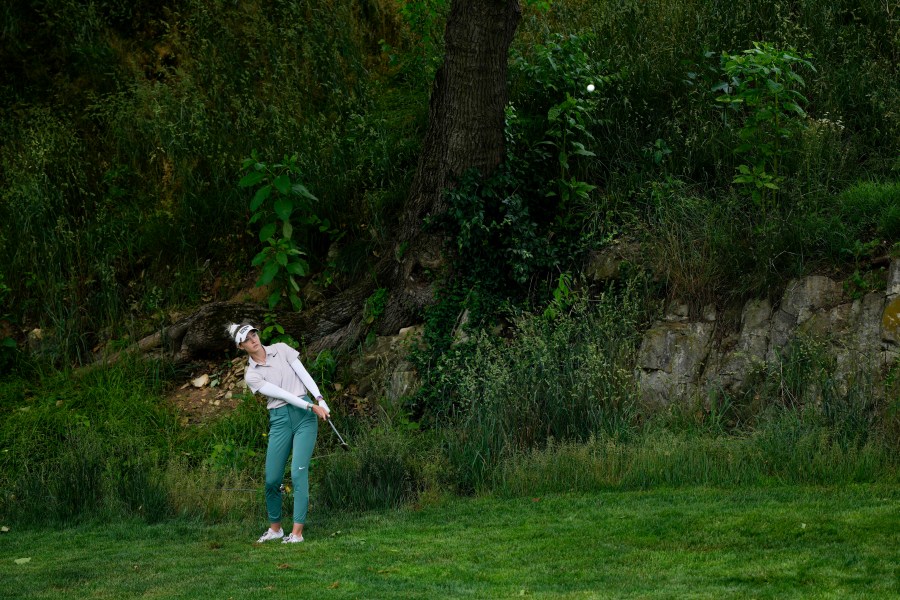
(285, 372)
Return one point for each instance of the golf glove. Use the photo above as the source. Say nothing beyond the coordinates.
(324, 405)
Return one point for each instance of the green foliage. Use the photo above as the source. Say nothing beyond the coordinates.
(424, 21)
(566, 379)
(277, 206)
(9, 351)
(762, 85)
(563, 298)
(529, 215)
(699, 244)
(386, 469)
(323, 369)
(273, 332)
(228, 455)
(103, 440)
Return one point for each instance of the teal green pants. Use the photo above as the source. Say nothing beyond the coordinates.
(291, 431)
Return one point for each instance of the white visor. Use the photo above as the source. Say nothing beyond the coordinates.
(243, 332)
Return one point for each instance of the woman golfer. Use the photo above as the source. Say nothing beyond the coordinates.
(276, 372)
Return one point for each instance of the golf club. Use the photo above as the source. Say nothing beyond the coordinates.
(333, 428)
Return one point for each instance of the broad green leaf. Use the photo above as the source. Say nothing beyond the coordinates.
(268, 273)
(274, 297)
(283, 184)
(284, 206)
(287, 230)
(282, 259)
(259, 258)
(300, 189)
(267, 231)
(251, 179)
(296, 268)
(260, 197)
(296, 304)
(294, 283)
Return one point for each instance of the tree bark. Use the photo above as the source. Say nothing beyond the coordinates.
(466, 125)
(465, 131)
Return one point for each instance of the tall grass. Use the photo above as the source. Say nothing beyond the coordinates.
(564, 378)
(119, 175)
(386, 468)
(104, 447)
(119, 169)
(707, 249)
(799, 421)
(783, 451)
(665, 89)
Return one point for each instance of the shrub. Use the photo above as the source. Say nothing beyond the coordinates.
(564, 378)
(386, 468)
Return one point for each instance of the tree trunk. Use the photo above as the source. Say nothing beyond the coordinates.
(466, 124)
(465, 131)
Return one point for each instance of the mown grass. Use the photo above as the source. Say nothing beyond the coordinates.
(782, 542)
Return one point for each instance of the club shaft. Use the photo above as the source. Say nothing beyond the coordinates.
(333, 428)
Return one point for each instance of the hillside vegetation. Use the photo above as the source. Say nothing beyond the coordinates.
(739, 146)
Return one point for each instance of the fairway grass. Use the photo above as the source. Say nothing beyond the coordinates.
(787, 542)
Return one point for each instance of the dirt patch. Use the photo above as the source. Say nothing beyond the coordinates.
(212, 389)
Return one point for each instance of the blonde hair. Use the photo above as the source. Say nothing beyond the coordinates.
(233, 328)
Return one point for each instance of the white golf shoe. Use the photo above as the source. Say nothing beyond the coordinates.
(292, 539)
(271, 535)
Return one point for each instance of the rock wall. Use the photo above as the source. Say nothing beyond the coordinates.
(683, 361)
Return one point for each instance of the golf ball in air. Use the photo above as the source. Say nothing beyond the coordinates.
(591, 87)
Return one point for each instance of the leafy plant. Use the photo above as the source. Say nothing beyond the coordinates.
(762, 86)
(373, 309)
(280, 203)
(273, 332)
(563, 298)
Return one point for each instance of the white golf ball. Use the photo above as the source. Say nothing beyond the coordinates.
(591, 87)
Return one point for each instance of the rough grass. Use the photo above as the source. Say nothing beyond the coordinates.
(784, 542)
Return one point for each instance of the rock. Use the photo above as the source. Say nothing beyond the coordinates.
(35, 337)
(890, 322)
(670, 361)
(606, 264)
(801, 299)
(730, 372)
(677, 311)
(201, 381)
(404, 383)
(893, 282)
(460, 336)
